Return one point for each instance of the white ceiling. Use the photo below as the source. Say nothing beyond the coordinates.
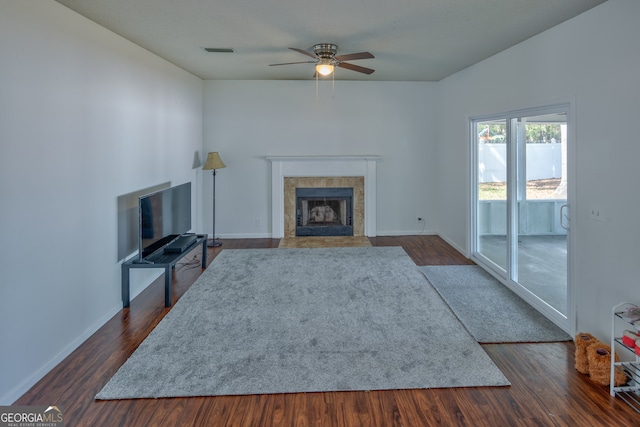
(414, 40)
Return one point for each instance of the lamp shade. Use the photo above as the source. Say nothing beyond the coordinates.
(213, 162)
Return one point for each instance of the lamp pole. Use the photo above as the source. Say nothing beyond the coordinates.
(214, 162)
(214, 242)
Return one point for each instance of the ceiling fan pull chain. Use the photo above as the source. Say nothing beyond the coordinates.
(333, 85)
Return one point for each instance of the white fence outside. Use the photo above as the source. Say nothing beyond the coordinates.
(535, 217)
(543, 161)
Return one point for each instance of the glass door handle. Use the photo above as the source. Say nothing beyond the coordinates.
(563, 216)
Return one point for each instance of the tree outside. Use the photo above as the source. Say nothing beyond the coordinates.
(545, 133)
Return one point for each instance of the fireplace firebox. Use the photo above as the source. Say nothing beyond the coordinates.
(324, 211)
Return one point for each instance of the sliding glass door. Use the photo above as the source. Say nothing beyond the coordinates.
(491, 203)
(521, 214)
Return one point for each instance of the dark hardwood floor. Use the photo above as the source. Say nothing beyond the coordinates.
(546, 390)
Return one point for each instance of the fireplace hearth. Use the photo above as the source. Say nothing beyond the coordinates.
(324, 211)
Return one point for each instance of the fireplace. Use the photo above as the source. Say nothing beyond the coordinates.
(324, 211)
(291, 172)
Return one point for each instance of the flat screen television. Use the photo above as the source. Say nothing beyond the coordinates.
(163, 216)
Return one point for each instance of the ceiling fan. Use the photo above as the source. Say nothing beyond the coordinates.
(325, 58)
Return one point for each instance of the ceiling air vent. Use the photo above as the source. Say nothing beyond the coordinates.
(218, 49)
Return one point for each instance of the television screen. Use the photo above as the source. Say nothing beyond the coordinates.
(163, 217)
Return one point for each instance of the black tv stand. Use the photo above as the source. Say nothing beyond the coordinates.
(160, 259)
(142, 261)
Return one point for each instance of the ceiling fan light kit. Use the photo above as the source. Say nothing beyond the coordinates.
(324, 68)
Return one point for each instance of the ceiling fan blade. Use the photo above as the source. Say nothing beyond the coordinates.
(304, 52)
(289, 63)
(354, 56)
(355, 68)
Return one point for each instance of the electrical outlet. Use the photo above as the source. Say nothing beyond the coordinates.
(596, 213)
(258, 222)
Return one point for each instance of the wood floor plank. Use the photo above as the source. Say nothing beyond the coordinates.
(424, 250)
(546, 389)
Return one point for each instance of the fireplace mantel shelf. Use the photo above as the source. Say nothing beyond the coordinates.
(313, 158)
(323, 166)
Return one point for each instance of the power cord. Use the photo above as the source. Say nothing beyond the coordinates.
(193, 263)
(420, 219)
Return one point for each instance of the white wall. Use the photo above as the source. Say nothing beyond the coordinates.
(248, 120)
(85, 117)
(591, 60)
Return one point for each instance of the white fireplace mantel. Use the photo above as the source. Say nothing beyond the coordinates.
(302, 166)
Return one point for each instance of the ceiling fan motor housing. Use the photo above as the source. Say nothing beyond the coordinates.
(325, 50)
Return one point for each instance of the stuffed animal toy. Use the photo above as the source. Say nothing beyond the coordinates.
(583, 340)
(599, 356)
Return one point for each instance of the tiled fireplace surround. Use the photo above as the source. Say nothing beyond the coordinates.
(291, 183)
(291, 172)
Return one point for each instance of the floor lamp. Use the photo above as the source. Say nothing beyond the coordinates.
(214, 162)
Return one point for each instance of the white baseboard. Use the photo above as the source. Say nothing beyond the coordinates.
(15, 393)
(455, 246)
(407, 233)
(244, 236)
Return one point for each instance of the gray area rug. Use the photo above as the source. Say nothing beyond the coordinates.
(305, 320)
(489, 310)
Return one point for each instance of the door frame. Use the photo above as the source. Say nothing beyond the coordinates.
(568, 322)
